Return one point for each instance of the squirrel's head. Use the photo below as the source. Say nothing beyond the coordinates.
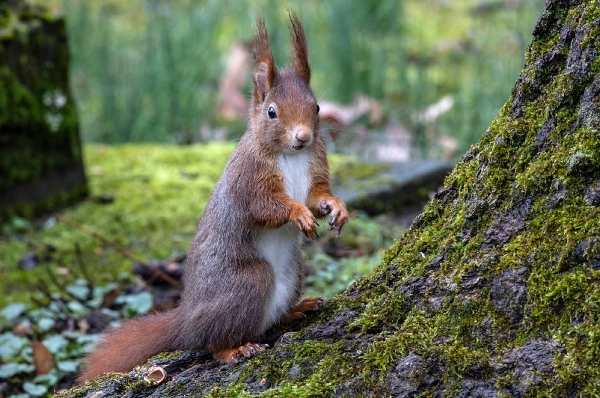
(284, 112)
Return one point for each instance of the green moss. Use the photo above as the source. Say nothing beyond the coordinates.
(232, 392)
(390, 312)
(312, 350)
(539, 47)
(166, 356)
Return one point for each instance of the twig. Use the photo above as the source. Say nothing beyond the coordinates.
(119, 249)
(83, 269)
(81, 263)
(59, 285)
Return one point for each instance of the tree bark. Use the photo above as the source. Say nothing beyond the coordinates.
(41, 166)
(493, 291)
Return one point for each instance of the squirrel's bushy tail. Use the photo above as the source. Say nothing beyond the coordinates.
(125, 347)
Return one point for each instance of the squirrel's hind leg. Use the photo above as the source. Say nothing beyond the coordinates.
(308, 304)
(234, 355)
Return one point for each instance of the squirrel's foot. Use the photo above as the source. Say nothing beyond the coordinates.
(234, 355)
(306, 305)
(303, 218)
(336, 209)
(314, 303)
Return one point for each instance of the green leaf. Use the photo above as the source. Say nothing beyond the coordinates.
(80, 292)
(100, 291)
(68, 366)
(27, 354)
(8, 370)
(39, 313)
(12, 368)
(55, 343)
(87, 338)
(34, 389)
(13, 311)
(20, 224)
(76, 307)
(45, 324)
(10, 345)
(136, 304)
(111, 313)
(48, 379)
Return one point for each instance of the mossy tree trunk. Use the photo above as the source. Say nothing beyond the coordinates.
(40, 152)
(493, 291)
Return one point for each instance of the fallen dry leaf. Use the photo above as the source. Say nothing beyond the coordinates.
(109, 298)
(22, 329)
(42, 358)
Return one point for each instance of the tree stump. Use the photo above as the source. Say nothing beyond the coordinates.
(41, 165)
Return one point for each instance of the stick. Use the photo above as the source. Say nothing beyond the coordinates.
(83, 270)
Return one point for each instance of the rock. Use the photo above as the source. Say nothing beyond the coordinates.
(399, 187)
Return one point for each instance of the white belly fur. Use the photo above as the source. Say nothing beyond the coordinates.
(277, 246)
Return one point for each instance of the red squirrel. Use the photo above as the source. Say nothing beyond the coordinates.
(244, 270)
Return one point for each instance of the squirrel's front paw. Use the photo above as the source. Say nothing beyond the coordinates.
(338, 215)
(303, 218)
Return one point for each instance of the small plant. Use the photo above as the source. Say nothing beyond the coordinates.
(41, 344)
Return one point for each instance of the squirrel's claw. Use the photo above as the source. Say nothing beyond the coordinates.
(338, 215)
(332, 221)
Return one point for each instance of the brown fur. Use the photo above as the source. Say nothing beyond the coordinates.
(229, 286)
(265, 72)
(299, 49)
(120, 352)
(297, 312)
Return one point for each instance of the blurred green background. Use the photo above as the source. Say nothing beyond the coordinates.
(149, 70)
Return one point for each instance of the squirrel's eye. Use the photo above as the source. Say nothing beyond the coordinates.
(271, 112)
(318, 108)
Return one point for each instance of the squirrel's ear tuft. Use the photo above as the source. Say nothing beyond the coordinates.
(264, 67)
(299, 48)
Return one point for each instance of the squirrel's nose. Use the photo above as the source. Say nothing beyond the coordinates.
(302, 138)
(303, 135)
